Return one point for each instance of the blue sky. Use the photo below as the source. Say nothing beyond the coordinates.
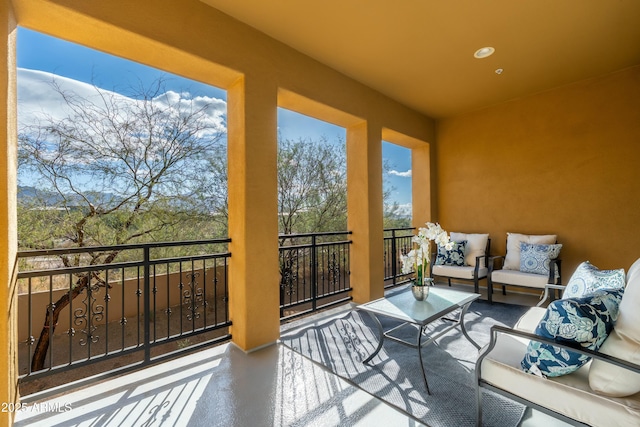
(37, 51)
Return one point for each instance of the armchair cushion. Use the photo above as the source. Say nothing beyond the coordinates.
(534, 258)
(512, 258)
(586, 321)
(588, 278)
(464, 272)
(518, 278)
(455, 256)
(624, 343)
(476, 245)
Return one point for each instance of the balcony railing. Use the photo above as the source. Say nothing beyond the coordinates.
(314, 272)
(397, 241)
(158, 298)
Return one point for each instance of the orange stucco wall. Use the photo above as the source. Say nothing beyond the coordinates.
(563, 161)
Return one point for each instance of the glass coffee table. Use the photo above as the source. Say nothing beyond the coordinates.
(403, 306)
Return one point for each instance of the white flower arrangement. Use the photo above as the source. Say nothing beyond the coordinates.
(418, 259)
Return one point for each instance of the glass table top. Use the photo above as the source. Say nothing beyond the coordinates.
(403, 306)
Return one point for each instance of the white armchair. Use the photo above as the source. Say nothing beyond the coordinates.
(531, 261)
(472, 266)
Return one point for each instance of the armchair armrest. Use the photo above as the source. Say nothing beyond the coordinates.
(492, 262)
(555, 264)
(481, 257)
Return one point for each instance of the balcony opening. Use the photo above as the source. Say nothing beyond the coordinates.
(122, 212)
(396, 186)
(312, 214)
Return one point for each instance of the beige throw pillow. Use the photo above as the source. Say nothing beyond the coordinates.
(476, 245)
(623, 343)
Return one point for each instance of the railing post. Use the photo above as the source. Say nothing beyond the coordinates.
(147, 304)
(314, 273)
(394, 255)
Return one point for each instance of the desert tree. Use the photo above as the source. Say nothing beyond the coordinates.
(312, 185)
(115, 169)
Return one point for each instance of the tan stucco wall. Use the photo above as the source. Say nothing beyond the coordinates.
(564, 161)
(191, 39)
(8, 189)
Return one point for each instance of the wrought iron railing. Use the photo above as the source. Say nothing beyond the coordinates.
(76, 309)
(314, 272)
(397, 241)
(159, 298)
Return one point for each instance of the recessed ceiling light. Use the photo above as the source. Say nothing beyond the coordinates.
(484, 52)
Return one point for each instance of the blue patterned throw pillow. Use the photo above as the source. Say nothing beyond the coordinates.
(453, 257)
(588, 278)
(586, 321)
(535, 258)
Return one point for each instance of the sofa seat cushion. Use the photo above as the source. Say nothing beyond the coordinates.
(465, 272)
(569, 394)
(624, 343)
(518, 278)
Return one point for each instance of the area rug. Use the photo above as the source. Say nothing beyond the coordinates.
(394, 374)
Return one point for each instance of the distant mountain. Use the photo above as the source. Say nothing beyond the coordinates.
(45, 198)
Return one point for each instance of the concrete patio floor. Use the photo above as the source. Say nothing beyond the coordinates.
(224, 386)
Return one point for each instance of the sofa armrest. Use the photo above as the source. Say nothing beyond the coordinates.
(540, 402)
(497, 329)
(547, 288)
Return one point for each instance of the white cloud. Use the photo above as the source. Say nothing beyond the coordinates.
(38, 99)
(405, 209)
(406, 174)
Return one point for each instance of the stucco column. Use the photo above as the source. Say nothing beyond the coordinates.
(421, 184)
(254, 296)
(364, 210)
(8, 221)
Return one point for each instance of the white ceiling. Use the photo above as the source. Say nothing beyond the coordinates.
(420, 52)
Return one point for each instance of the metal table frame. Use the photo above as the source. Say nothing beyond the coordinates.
(403, 306)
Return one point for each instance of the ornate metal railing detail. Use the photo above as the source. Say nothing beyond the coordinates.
(287, 279)
(314, 272)
(333, 269)
(87, 317)
(142, 292)
(193, 296)
(397, 241)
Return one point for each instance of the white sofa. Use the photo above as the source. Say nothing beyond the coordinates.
(614, 370)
